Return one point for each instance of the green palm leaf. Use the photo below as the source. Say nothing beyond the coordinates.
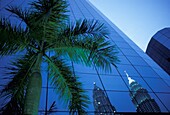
(86, 28)
(67, 85)
(85, 42)
(14, 92)
(24, 15)
(13, 38)
(79, 101)
(49, 10)
(50, 16)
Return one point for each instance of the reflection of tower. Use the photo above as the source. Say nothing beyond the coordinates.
(101, 103)
(141, 99)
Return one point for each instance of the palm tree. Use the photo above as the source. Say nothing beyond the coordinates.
(47, 29)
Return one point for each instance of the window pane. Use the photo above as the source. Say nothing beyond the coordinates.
(113, 83)
(157, 85)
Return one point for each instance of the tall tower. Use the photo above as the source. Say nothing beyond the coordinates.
(140, 97)
(101, 103)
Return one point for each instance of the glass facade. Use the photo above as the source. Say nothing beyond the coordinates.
(115, 84)
(159, 49)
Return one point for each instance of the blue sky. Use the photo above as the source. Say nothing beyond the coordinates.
(138, 19)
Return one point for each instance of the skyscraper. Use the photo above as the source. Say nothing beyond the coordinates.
(159, 49)
(101, 102)
(140, 66)
(140, 97)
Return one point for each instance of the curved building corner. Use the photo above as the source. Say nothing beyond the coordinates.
(159, 49)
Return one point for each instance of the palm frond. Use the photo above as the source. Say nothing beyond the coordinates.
(52, 14)
(52, 108)
(33, 30)
(80, 101)
(85, 42)
(42, 17)
(86, 28)
(14, 92)
(68, 86)
(79, 31)
(49, 10)
(33, 27)
(91, 36)
(103, 55)
(23, 14)
(13, 38)
(76, 53)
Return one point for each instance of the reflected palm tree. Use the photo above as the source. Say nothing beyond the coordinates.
(47, 29)
(52, 109)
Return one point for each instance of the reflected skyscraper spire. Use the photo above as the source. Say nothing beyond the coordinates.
(129, 78)
(140, 97)
(101, 102)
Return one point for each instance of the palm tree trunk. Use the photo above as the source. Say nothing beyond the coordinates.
(34, 89)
